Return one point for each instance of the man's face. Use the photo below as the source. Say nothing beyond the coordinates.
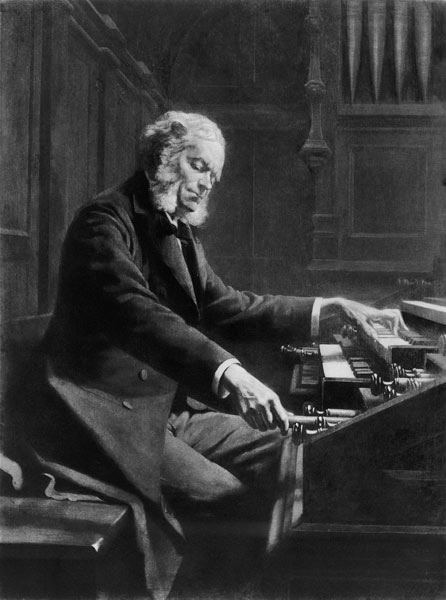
(200, 166)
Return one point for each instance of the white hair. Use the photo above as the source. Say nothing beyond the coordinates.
(170, 134)
(160, 145)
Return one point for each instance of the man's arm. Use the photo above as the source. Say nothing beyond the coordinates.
(106, 292)
(261, 407)
(243, 313)
(298, 316)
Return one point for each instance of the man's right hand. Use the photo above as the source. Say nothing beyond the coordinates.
(259, 406)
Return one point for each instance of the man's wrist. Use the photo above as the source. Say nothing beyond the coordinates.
(331, 310)
(335, 301)
(231, 376)
(218, 386)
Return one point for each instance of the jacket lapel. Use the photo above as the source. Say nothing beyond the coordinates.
(174, 259)
(201, 266)
(198, 260)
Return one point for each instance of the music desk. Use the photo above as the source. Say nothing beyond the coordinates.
(352, 518)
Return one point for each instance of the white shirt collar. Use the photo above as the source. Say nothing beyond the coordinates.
(173, 220)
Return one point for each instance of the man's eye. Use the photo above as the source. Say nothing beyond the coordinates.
(198, 166)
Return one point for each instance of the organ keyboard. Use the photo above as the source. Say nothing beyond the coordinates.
(362, 370)
(408, 348)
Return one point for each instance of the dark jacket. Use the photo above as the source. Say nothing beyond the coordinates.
(129, 328)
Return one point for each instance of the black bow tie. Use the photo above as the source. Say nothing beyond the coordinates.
(164, 226)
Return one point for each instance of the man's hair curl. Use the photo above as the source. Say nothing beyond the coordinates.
(170, 135)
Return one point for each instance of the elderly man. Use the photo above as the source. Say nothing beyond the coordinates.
(130, 336)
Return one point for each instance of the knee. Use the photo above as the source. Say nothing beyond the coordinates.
(223, 486)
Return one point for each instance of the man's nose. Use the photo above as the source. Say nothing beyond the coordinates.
(205, 181)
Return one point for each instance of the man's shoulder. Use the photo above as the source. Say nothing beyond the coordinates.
(113, 196)
(108, 209)
(127, 196)
(112, 201)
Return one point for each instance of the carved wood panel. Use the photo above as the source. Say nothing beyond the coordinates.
(375, 209)
(389, 195)
(70, 117)
(82, 92)
(92, 116)
(21, 41)
(283, 198)
(122, 125)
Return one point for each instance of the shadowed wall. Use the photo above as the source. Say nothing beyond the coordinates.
(244, 64)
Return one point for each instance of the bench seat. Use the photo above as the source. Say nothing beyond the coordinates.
(58, 528)
(60, 549)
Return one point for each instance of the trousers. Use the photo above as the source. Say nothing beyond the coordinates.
(217, 459)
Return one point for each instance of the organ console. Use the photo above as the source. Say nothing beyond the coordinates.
(367, 456)
(380, 367)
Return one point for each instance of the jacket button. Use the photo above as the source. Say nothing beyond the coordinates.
(127, 404)
(143, 375)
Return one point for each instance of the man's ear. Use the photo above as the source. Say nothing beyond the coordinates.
(178, 129)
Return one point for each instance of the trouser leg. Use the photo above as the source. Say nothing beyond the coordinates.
(190, 475)
(217, 458)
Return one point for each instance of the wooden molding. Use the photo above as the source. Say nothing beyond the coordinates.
(370, 266)
(24, 330)
(83, 35)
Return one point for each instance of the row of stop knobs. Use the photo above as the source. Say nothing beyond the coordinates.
(398, 380)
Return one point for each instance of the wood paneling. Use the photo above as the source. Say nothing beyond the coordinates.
(388, 192)
(21, 40)
(82, 129)
(52, 143)
(18, 289)
(375, 209)
(282, 193)
(96, 90)
(122, 124)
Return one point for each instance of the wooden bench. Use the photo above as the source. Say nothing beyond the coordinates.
(60, 549)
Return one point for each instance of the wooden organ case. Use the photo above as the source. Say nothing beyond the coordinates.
(363, 475)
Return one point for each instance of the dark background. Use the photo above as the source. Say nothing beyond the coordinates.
(245, 65)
